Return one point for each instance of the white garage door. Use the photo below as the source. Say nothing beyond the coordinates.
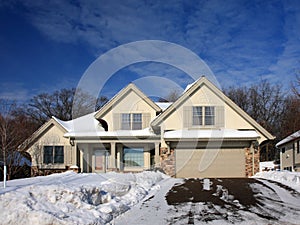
(210, 163)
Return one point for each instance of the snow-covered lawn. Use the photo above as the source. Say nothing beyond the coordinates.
(290, 179)
(71, 198)
(140, 198)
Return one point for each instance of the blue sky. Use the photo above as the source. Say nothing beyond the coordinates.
(48, 45)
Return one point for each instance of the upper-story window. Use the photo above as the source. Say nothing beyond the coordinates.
(207, 118)
(197, 116)
(136, 121)
(126, 121)
(131, 121)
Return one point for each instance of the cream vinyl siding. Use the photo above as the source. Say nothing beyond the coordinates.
(130, 103)
(52, 137)
(227, 163)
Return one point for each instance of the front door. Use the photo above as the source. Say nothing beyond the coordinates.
(100, 161)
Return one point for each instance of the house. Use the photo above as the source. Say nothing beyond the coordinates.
(202, 134)
(290, 152)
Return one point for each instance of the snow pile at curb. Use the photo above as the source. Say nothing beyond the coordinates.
(291, 179)
(71, 198)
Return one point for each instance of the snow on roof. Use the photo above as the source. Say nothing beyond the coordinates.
(163, 105)
(189, 86)
(289, 138)
(222, 133)
(86, 123)
(119, 133)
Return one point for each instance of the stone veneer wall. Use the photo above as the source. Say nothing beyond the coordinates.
(167, 161)
(35, 171)
(249, 163)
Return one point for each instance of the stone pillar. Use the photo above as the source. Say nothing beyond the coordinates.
(167, 161)
(251, 161)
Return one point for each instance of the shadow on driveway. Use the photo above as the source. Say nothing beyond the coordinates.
(233, 200)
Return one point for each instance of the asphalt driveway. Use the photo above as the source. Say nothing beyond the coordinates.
(217, 201)
(235, 200)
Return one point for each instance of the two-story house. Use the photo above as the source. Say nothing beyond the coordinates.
(202, 134)
(290, 152)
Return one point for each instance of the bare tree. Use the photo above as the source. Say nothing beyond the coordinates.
(240, 96)
(171, 97)
(266, 104)
(263, 102)
(64, 104)
(296, 86)
(13, 131)
(291, 118)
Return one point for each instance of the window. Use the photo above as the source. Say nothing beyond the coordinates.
(53, 154)
(131, 121)
(133, 157)
(209, 116)
(126, 121)
(298, 147)
(283, 150)
(58, 154)
(136, 121)
(197, 115)
(208, 119)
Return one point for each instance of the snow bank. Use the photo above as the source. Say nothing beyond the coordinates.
(71, 198)
(291, 179)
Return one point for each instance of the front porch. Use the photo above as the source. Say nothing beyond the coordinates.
(115, 155)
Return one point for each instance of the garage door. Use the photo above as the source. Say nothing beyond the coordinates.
(210, 163)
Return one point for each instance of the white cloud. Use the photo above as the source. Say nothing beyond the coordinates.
(13, 91)
(240, 40)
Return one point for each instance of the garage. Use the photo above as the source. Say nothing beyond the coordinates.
(210, 163)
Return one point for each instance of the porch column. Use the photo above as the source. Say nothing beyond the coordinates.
(81, 153)
(157, 159)
(112, 161)
(74, 153)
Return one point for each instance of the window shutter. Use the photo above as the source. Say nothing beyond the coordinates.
(146, 120)
(220, 116)
(68, 154)
(187, 117)
(116, 121)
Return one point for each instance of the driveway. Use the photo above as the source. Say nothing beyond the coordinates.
(217, 201)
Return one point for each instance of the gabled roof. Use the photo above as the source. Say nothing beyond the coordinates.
(196, 86)
(120, 95)
(289, 138)
(86, 123)
(40, 132)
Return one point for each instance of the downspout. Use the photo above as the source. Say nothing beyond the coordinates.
(281, 166)
(253, 150)
(294, 162)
